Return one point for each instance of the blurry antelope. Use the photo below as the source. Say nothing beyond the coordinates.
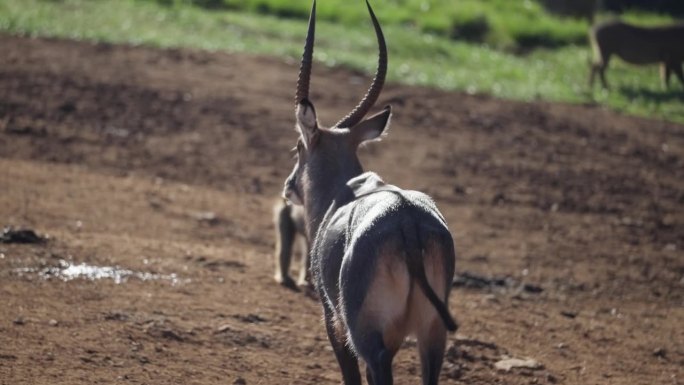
(637, 45)
(382, 258)
(289, 226)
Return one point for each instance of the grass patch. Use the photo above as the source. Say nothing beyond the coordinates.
(415, 58)
(503, 24)
(499, 23)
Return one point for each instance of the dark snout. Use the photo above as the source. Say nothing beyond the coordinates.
(290, 190)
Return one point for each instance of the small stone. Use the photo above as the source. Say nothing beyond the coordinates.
(659, 352)
(250, 318)
(208, 217)
(534, 289)
(223, 328)
(53, 322)
(569, 314)
(10, 235)
(508, 363)
(19, 321)
(240, 381)
(499, 198)
(172, 335)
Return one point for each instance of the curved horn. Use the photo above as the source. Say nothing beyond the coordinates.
(307, 59)
(367, 102)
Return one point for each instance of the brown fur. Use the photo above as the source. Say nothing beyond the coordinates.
(288, 223)
(638, 45)
(395, 305)
(366, 291)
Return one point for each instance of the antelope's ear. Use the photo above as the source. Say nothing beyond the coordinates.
(307, 124)
(373, 127)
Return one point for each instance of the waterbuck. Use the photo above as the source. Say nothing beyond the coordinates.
(382, 258)
(288, 221)
(638, 45)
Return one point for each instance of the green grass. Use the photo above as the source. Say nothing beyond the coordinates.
(415, 58)
(524, 25)
(504, 24)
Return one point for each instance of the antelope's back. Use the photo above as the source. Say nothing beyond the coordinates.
(381, 214)
(386, 228)
(375, 217)
(641, 45)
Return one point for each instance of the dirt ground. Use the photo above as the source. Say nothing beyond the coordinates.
(165, 163)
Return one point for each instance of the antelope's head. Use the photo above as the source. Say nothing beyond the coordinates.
(327, 157)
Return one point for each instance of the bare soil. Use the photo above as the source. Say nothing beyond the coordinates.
(167, 162)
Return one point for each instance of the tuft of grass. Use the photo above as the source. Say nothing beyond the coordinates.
(415, 58)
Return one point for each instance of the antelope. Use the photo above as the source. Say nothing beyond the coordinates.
(638, 45)
(382, 258)
(289, 226)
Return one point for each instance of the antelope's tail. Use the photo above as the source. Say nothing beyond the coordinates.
(416, 269)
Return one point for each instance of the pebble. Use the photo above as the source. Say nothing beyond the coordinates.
(507, 364)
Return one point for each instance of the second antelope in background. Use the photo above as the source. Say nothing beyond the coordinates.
(288, 221)
(638, 45)
(382, 258)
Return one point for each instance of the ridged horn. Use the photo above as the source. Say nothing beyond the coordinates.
(307, 59)
(373, 93)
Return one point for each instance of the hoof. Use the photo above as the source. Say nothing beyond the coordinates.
(288, 283)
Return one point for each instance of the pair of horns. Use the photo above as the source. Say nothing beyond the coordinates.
(373, 93)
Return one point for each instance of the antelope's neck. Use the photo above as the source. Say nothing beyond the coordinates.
(324, 193)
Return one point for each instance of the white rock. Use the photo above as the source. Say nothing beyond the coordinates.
(508, 363)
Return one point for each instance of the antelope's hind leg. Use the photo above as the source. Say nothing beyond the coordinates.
(431, 345)
(431, 331)
(667, 69)
(378, 323)
(378, 360)
(349, 364)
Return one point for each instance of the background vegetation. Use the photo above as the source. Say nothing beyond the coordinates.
(512, 49)
(504, 24)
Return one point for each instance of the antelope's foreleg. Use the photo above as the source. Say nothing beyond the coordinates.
(599, 68)
(304, 278)
(601, 65)
(665, 72)
(677, 69)
(592, 74)
(602, 73)
(285, 236)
